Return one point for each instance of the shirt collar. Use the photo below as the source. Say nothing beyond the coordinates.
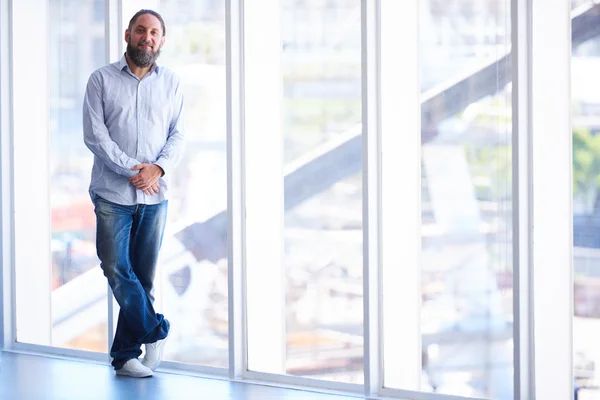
(123, 64)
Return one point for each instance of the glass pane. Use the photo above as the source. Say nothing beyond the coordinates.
(466, 260)
(577, 4)
(193, 268)
(323, 234)
(586, 195)
(78, 299)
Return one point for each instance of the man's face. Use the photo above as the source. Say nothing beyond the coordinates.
(144, 40)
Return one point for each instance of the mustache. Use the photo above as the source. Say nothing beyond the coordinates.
(142, 57)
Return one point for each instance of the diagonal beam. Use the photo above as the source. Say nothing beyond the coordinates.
(342, 158)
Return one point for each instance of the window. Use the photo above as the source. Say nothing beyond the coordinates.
(65, 305)
(586, 243)
(463, 319)
(76, 278)
(304, 201)
(193, 265)
(356, 181)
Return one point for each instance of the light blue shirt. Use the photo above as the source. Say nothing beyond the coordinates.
(129, 121)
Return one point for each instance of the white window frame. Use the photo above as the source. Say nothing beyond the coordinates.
(31, 207)
(238, 354)
(113, 11)
(551, 212)
(522, 202)
(395, 166)
(263, 197)
(543, 289)
(17, 155)
(6, 176)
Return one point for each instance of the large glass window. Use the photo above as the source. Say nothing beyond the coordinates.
(79, 318)
(323, 232)
(467, 270)
(61, 292)
(586, 208)
(440, 292)
(465, 266)
(193, 266)
(304, 189)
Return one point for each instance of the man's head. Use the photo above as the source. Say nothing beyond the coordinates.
(145, 36)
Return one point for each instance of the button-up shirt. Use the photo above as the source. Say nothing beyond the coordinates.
(129, 121)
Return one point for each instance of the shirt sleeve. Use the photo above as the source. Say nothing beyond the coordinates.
(172, 152)
(96, 135)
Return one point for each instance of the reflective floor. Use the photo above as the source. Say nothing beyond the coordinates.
(27, 377)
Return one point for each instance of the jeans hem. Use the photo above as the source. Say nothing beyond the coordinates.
(160, 327)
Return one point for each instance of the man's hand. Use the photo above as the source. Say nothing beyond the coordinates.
(147, 178)
(152, 190)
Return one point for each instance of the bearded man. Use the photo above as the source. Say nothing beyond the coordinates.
(133, 124)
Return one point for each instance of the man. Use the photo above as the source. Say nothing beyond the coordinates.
(133, 123)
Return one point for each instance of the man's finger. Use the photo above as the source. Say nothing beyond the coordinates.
(138, 177)
(150, 189)
(141, 185)
(141, 181)
(153, 189)
(137, 167)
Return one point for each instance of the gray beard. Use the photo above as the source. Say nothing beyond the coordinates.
(142, 58)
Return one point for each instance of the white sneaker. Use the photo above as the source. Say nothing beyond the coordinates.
(135, 369)
(154, 352)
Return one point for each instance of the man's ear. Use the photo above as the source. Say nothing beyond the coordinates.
(162, 41)
(127, 35)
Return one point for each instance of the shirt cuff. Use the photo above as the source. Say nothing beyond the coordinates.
(165, 165)
(130, 164)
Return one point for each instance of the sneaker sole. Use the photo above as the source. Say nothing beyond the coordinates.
(124, 373)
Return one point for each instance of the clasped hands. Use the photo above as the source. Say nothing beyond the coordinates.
(147, 179)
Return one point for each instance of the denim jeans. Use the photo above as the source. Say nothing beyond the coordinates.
(128, 239)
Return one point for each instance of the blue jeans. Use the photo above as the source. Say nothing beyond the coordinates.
(128, 239)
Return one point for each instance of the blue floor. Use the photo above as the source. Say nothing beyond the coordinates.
(27, 377)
